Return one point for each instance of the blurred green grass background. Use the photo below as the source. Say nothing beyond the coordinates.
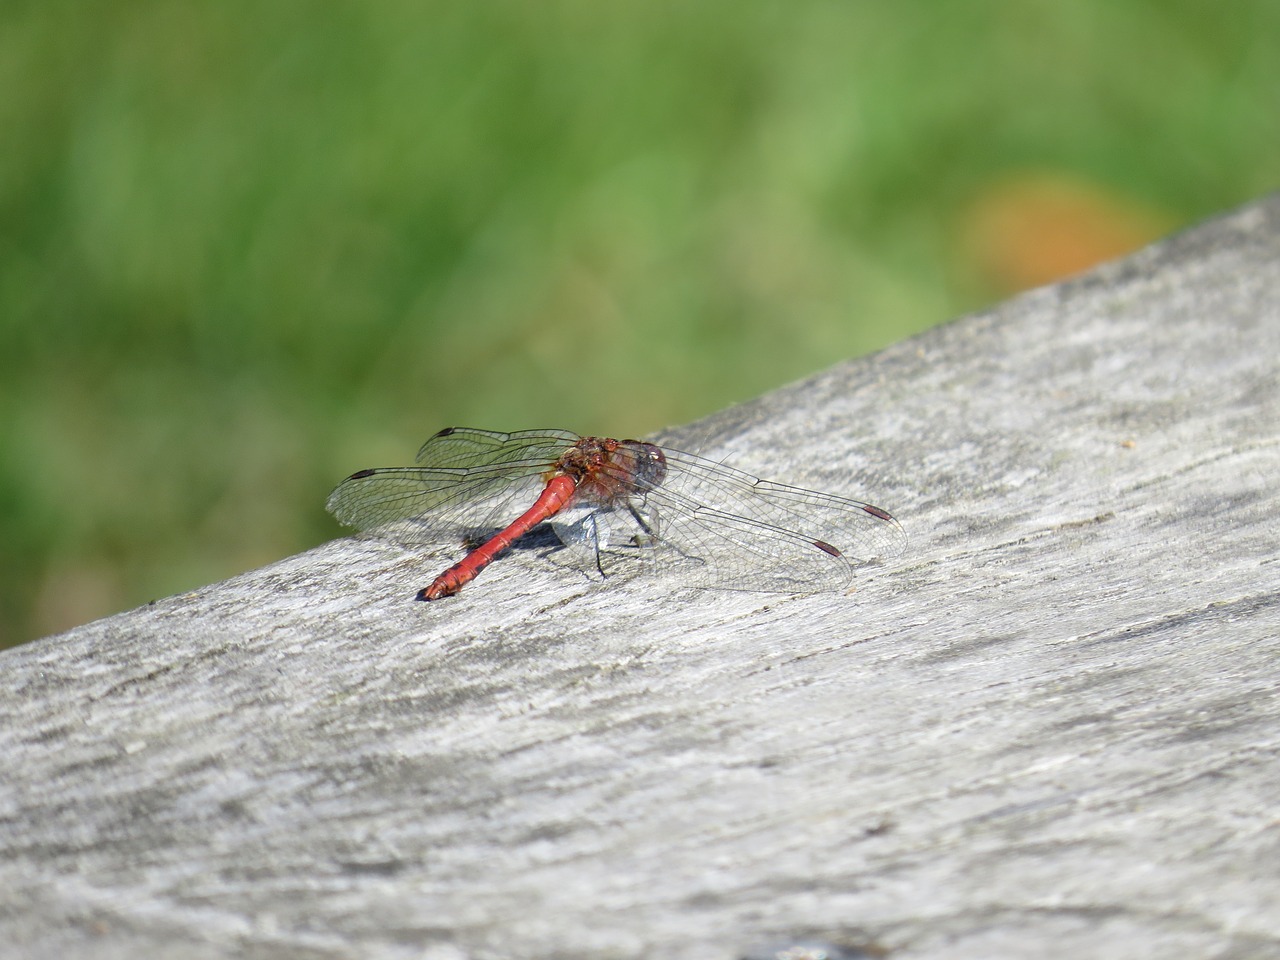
(246, 249)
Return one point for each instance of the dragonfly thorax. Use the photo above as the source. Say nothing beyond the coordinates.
(607, 471)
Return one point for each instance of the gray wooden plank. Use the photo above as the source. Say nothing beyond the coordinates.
(1050, 729)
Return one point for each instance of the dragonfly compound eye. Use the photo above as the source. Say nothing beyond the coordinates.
(651, 464)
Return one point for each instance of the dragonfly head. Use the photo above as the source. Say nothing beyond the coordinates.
(651, 463)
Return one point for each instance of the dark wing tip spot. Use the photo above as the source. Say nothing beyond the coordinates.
(445, 432)
(827, 548)
(361, 474)
(877, 512)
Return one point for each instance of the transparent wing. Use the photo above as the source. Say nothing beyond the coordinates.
(861, 531)
(728, 528)
(711, 525)
(467, 448)
(469, 483)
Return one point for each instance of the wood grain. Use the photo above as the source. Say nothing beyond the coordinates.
(1050, 729)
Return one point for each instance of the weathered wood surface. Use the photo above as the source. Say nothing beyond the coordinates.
(1050, 729)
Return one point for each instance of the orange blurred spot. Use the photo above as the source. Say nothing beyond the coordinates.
(1033, 229)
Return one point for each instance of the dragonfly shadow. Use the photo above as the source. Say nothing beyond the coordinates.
(580, 553)
(413, 534)
(541, 537)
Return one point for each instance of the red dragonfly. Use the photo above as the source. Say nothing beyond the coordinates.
(612, 503)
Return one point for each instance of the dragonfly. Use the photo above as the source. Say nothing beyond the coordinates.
(615, 506)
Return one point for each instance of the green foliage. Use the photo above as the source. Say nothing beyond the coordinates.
(246, 249)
